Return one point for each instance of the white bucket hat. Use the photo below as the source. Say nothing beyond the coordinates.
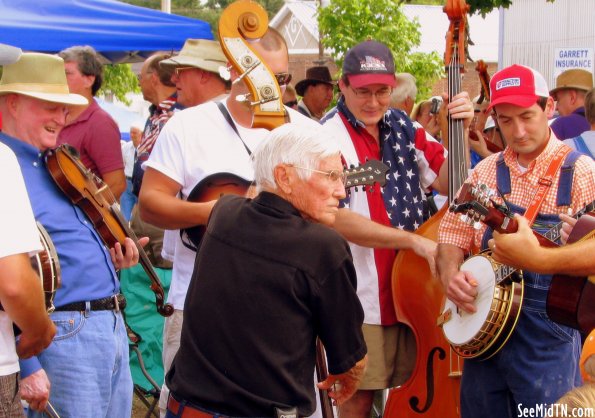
(40, 76)
(9, 54)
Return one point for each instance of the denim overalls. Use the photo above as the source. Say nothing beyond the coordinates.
(540, 362)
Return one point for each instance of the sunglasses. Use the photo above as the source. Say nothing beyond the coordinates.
(178, 70)
(291, 103)
(283, 78)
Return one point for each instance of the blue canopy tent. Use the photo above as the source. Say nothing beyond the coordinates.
(120, 32)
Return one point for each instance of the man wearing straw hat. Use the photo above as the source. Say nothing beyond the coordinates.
(569, 94)
(196, 72)
(20, 289)
(87, 363)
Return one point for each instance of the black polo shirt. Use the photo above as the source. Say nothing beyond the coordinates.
(266, 283)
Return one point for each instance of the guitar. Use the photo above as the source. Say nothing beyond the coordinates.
(216, 185)
(570, 298)
(500, 289)
(95, 199)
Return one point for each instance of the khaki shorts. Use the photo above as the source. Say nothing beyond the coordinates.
(391, 356)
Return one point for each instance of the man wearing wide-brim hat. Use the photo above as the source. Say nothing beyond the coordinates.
(569, 94)
(316, 91)
(20, 289)
(197, 72)
(88, 368)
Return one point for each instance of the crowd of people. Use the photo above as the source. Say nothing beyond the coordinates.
(297, 258)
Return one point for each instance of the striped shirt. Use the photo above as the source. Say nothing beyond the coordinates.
(524, 184)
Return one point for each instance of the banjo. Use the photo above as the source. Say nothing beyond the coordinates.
(500, 287)
(45, 263)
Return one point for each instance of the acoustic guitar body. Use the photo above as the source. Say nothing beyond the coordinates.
(212, 188)
(570, 298)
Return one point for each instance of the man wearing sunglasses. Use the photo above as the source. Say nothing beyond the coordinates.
(368, 129)
(214, 137)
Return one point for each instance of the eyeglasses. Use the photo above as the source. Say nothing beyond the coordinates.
(139, 76)
(383, 93)
(291, 103)
(283, 78)
(333, 175)
(178, 70)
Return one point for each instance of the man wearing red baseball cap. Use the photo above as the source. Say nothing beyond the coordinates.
(368, 129)
(538, 177)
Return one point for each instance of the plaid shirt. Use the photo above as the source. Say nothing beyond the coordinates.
(523, 187)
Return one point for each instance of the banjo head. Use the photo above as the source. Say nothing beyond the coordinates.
(462, 327)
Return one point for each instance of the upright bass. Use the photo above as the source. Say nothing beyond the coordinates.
(433, 388)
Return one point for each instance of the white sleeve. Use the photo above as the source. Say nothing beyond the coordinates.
(18, 231)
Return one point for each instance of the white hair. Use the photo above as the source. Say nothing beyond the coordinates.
(405, 88)
(291, 144)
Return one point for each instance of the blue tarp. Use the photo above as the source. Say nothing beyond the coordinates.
(120, 32)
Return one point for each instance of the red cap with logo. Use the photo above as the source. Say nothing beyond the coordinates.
(517, 85)
(369, 62)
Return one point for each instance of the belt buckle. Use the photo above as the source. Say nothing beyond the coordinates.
(116, 304)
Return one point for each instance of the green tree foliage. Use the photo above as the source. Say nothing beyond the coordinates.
(118, 80)
(344, 23)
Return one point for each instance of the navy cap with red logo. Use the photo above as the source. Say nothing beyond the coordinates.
(517, 85)
(369, 62)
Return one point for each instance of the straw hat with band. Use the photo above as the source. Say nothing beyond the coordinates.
(573, 79)
(200, 53)
(314, 75)
(40, 76)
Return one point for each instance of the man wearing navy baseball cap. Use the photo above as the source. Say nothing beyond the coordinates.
(378, 222)
(537, 177)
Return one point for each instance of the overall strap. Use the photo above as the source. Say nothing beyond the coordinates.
(229, 120)
(581, 146)
(503, 176)
(564, 197)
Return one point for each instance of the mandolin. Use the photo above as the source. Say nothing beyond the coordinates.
(95, 199)
(216, 185)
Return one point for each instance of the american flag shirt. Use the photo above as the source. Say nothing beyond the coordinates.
(414, 161)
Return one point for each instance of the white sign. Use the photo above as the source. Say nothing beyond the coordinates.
(568, 58)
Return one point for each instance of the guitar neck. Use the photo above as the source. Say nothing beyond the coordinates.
(555, 233)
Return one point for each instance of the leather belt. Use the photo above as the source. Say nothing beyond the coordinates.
(188, 412)
(110, 303)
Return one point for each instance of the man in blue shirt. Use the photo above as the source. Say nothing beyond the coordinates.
(87, 362)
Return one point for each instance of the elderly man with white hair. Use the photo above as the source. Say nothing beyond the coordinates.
(289, 279)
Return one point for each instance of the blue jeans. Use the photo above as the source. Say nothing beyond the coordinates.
(537, 365)
(87, 364)
(127, 200)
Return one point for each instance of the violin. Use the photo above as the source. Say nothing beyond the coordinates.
(433, 389)
(95, 199)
